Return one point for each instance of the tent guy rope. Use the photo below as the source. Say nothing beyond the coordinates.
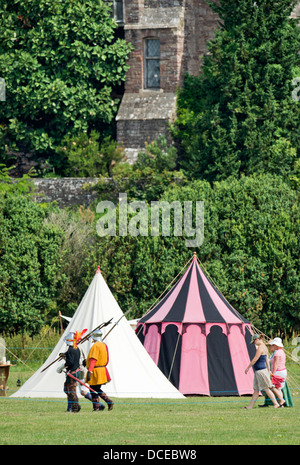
(165, 290)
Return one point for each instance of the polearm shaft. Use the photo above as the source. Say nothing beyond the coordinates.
(85, 338)
(56, 360)
(88, 335)
(78, 380)
(117, 323)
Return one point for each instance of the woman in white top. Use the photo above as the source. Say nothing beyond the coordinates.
(277, 360)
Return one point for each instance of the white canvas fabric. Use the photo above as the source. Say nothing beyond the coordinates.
(132, 370)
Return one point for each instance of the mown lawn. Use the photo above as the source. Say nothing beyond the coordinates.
(147, 422)
(193, 421)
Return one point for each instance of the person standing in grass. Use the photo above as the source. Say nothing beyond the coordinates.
(72, 364)
(278, 373)
(277, 360)
(98, 374)
(261, 367)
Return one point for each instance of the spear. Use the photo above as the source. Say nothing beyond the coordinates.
(102, 325)
(85, 338)
(117, 322)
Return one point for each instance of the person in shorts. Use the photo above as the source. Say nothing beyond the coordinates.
(261, 367)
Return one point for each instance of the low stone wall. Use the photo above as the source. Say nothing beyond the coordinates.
(66, 191)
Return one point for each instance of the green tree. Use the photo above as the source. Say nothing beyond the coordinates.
(250, 248)
(250, 251)
(7, 185)
(60, 61)
(84, 156)
(77, 244)
(238, 116)
(147, 178)
(29, 264)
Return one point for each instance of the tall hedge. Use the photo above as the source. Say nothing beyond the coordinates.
(29, 265)
(250, 250)
(238, 116)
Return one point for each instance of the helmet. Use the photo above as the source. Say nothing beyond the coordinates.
(97, 335)
(69, 339)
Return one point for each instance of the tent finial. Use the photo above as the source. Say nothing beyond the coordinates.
(195, 256)
(98, 269)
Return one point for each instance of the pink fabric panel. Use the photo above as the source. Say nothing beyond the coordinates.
(194, 311)
(228, 316)
(193, 369)
(165, 308)
(152, 342)
(240, 360)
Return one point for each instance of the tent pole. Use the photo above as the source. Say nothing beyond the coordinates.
(61, 325)
(174, 355)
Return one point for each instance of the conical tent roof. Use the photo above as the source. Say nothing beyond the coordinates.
(197, 339)
(133, 372)
(194, 299)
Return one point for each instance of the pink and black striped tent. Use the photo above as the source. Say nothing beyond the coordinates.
(198, 340)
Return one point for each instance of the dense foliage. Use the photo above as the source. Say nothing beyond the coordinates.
(29, 264)
(147, 178)
(238, 131)
(238, 116)
(250, 250)
(60, 61)
(86, 156)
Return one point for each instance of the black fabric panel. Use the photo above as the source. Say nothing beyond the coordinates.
(139, 332)
(251, 347)
(159, 305)
(211, 313)
(235, 312)
(177, 310)
(170, 346)
(220, 370)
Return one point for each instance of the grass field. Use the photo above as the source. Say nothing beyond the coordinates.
(193, 421)
(147, 422)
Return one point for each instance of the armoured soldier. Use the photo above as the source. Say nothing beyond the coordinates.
(98, 374)
(72, 364)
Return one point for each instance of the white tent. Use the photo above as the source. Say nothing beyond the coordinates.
(132, 370)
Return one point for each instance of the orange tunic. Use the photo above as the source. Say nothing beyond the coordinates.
(99, 352)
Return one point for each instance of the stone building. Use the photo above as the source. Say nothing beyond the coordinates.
(169, 39)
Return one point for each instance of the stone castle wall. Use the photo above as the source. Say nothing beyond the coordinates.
(66, 192)
(183, 28)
